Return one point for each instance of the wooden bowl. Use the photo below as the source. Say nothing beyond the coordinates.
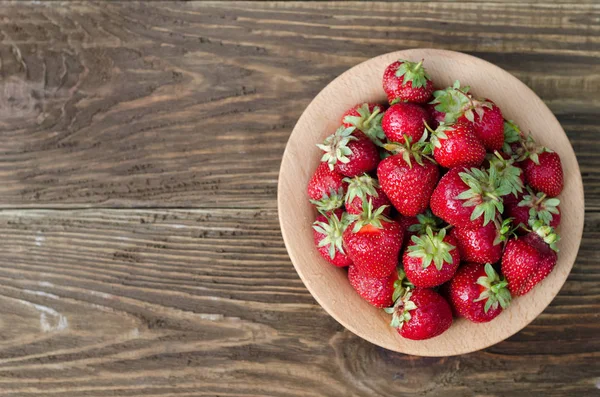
(329, 285)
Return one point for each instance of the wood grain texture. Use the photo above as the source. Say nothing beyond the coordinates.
(128, 105)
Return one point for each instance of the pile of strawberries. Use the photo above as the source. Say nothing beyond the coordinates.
(437, 205)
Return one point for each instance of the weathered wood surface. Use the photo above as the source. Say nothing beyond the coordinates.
(112, 112)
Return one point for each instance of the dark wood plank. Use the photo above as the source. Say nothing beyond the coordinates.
(190, 105)
(206, 303)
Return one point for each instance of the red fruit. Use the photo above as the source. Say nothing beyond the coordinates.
(325, 182)
(366, 117)
(478, 244)
(362, 189)
(528, 260)
(349, 152)
(545, 175)
(405, 81)
(435, 116)
(512, 209)
(466, 206)
(488, 123)
(379, 292)
(456, 146)
(404, 119)
(373, 243)
(477, 293)
(431, 259)
(408, 185)
(421, 314)
(531, 207)
(327, 232)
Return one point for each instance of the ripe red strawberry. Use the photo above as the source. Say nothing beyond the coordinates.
(477, 293)
(404, 119)
(545, 175)
(529, 259)
(408, 179)
(488, 123)
(327, 231)
(379, 292)
(364, 188)
(457, 104)
(479, 245)
(456, 146)
(373, 241)
(366, 117)
(518, 214)
(427, 249)
(435, 116)
(462, 196)
(405, 81)
(421, 314)
(349, 152)
(326, 183)
(542, 167)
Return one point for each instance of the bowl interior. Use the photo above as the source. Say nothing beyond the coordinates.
(329, 285)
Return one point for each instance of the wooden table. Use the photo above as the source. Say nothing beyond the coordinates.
(139, 240)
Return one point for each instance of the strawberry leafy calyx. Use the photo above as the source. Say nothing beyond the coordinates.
(329, 202)
(509, 175)
(426, 220)
(401, 285)
(453, 101)
(529, 149)
(476, 107)
(410, 151)
(485, 193)
(413, 72)
(540, 207)
(505, 230)
(368, 217)
(545, 232)
(362, 186)
(512, 134)
(431, 247)
(336, 147)
(368, 122)
(401, 310)
(495, 291)
(333, 230)
(436, 135)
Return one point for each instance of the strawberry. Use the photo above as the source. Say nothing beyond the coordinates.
(519, 215)
(479, 245)
(477, 293)
(373, 241)
(488, 123)
(326, 185)
(542, 167)
(408, 184)
(379, 292)
(404, 119)
(366, 118)
(435, 116)
(462, 196)
(420, 314)
(327, 231)
(546, 174)
(529, 259)
(456, 146)
(349, 152)
(484, 115)
(365, 188)
(427, 249)
(405, 81)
